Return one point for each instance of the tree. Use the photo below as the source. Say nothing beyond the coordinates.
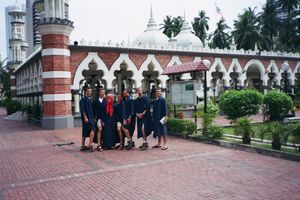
(288, 5)
(200, 26)
(5, 81)
(177, 25)
(246, 30)
(220, 38)
(269, 24)
(236, 104)
(167, 26)
(172, 26)
(277, 103)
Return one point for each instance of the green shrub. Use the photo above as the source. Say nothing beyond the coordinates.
(215, 132)
(295, 132)
(181, 127)
(243, 103)
(276, 104)
(208, 118)
(243, 127)
(277, 132)
(13, 106)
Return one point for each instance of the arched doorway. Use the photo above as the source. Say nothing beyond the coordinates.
(253, 80)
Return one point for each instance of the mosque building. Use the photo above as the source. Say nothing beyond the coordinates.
(47, 69)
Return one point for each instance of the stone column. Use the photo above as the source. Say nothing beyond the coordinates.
(56, 75)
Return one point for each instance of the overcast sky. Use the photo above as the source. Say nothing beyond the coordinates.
(119, 20)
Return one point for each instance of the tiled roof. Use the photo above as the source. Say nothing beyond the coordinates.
(185, 68)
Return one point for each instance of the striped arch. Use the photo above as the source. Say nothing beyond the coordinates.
(116, 66)
(84, 65)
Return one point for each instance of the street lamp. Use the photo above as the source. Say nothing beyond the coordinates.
(285, 67)
(207, 63)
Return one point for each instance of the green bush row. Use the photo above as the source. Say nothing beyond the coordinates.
(181, 127)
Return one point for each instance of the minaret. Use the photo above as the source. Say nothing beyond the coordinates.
(17, 44)
(55, 30)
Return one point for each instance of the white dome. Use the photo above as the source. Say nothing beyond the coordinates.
(152, 36)
(186, 39)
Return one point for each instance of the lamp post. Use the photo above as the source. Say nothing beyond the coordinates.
(207, 63)
(285, 67)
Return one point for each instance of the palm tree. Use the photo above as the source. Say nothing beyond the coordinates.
(172, 26)
(200, 26)
(288, 5)
(246, 31)
(289, 32)
(177, 25)
(167, 26)
(269, 24)
(220, 38)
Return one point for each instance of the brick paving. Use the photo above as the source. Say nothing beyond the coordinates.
(32, 167)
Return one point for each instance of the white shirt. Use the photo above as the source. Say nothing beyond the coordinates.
(101, 99)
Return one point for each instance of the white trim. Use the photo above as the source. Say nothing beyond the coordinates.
(13, 87)
(55, 52)
(12, 77)
(56, 74)
(57, 97)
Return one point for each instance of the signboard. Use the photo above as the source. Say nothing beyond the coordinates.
(183, 93)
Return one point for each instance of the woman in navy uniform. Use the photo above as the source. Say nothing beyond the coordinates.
(109, 138)
(159, 120)
(87, 116)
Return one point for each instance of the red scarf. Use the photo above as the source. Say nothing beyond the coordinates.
(109, 106)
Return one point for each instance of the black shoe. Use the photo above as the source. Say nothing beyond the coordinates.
(130, 145)
(145, 146)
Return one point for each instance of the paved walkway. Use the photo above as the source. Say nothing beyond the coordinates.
(33, 168)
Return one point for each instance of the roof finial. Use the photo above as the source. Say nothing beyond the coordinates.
(151, 12)
(184, 17)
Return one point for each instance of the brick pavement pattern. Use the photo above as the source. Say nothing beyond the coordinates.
(33, 167)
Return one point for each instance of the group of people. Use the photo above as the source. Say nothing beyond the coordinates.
(108, 123)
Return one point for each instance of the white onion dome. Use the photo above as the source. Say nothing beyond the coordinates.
(152, 36)
(16, 7)
(186, 38)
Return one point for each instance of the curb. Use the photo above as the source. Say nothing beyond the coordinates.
(244, 147)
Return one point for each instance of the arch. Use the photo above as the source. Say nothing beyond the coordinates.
(174, 60)
(116, 66)
(85, 65)
(292, 74)
(238, 68)
(260, 66)
(218, 63)
(274, 68)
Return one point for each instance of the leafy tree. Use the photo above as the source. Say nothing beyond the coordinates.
(177, 25)
(200, 26)
(277, 103)
(220, 38)
(5, 81)
(246, 30)
(288, 5)
(269, 24)
(167, 26)
(243, 103)
(172, 26)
